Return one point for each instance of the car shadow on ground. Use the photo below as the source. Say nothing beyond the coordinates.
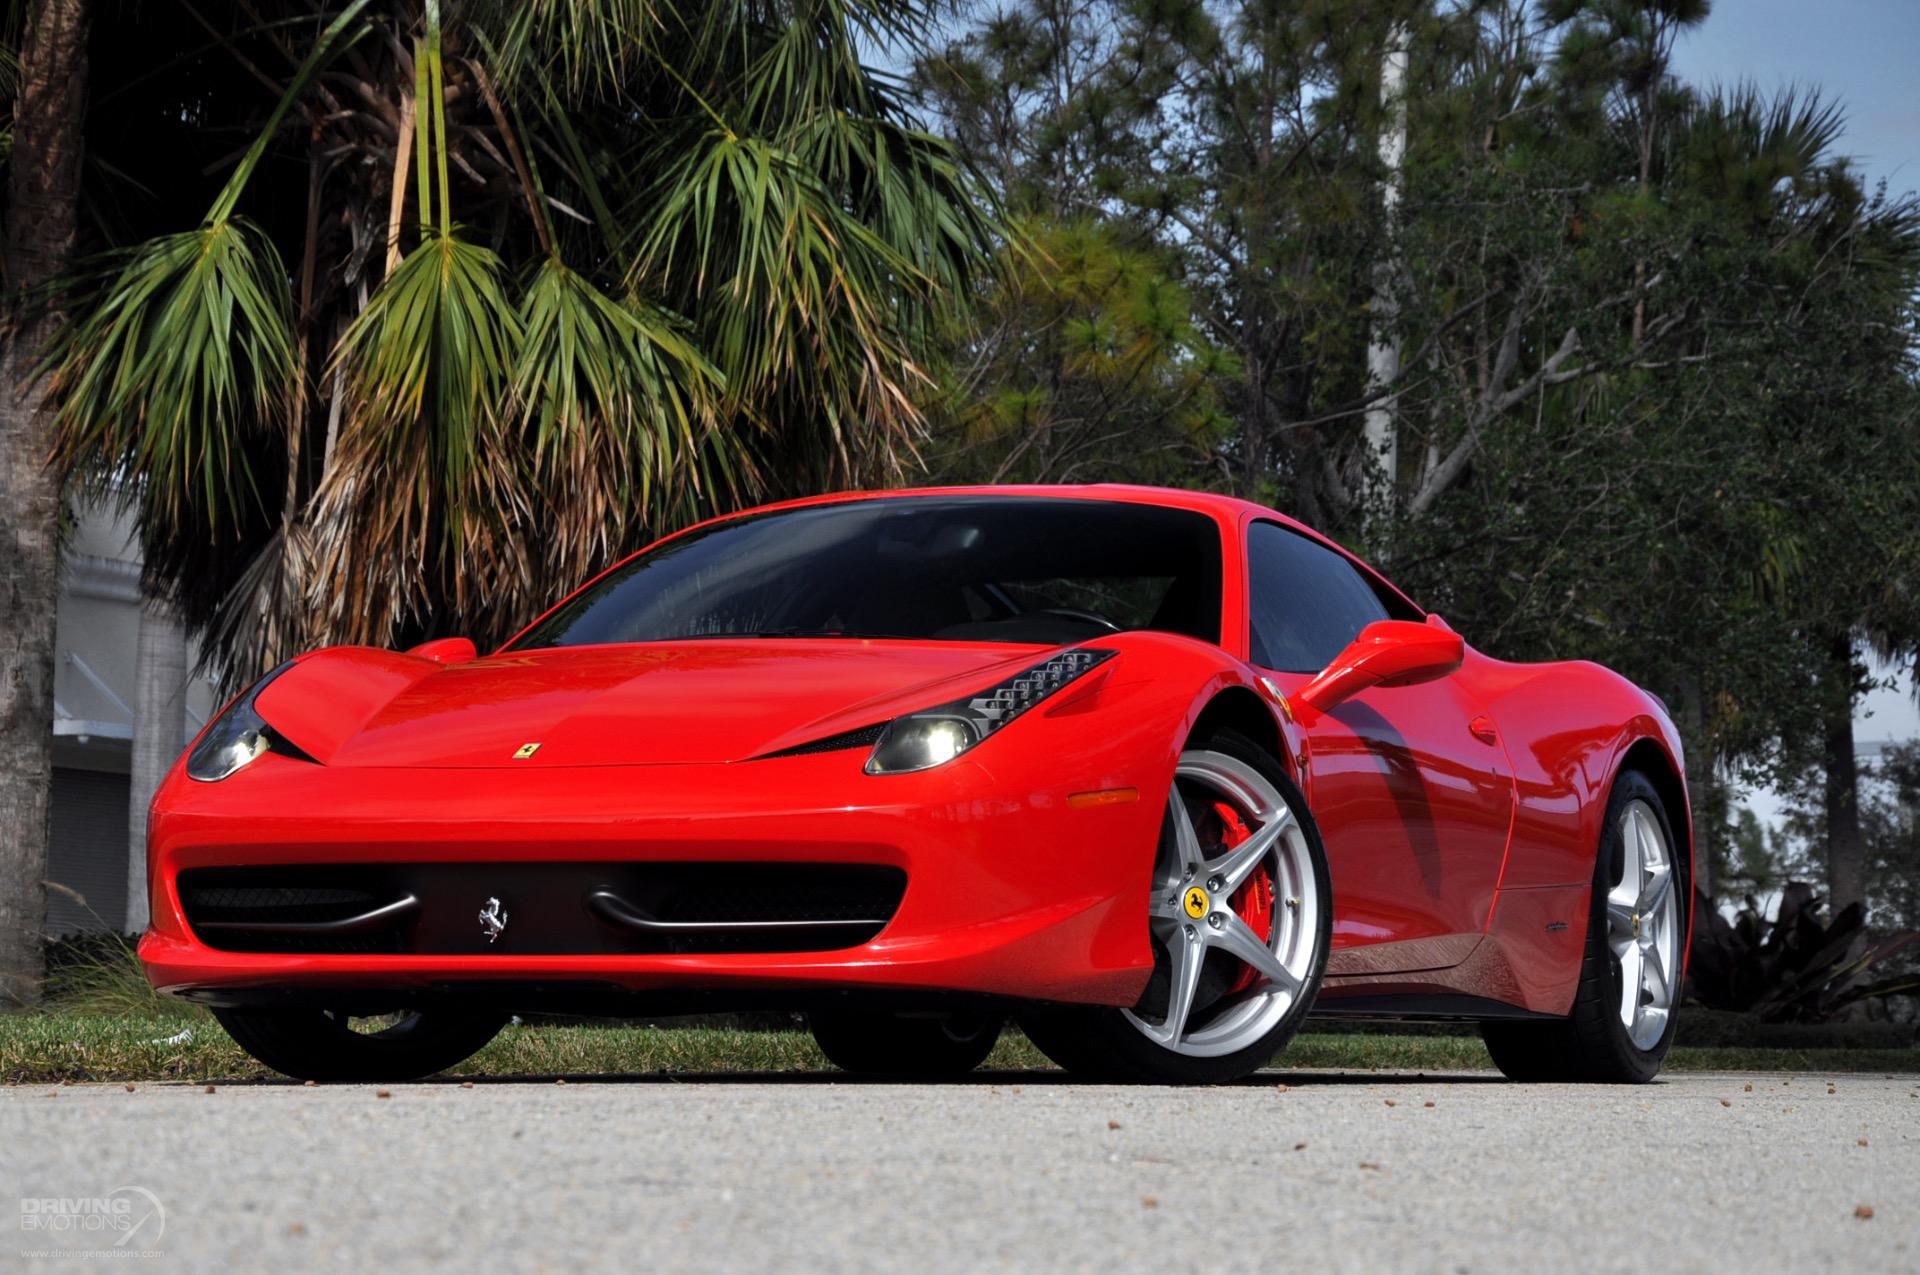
(975, 1080)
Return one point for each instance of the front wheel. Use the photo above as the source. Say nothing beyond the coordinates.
(1623, 1010)
(1239, 916)
(328, 1045)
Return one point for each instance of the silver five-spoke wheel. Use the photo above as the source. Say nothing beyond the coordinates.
(1235, 911)
(1643, 926)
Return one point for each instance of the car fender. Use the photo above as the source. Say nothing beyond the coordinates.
(1177, 681)
(1569, 728)
(329, 695)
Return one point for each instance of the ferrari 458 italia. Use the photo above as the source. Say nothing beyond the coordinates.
(1152, 773)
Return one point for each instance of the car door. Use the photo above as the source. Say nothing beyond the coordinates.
(1409, 784)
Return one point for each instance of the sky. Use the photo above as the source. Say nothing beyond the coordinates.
(1866, 54)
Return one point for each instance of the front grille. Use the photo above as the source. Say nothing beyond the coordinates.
(237, 910)
(788, 896)
(746, 907)
(277, 903)
(549, 908)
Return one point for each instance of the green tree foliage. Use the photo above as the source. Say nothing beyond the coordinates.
(1890, 829)
(1755, 859)
(467, 303)
(407, 321)
(1084, 365)
(1084, 359)
(1656, 398)
(1691, 511)
(1893, 834)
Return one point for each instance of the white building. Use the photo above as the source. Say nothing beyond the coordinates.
(97, 696)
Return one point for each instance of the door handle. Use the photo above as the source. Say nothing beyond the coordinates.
(1481, 728)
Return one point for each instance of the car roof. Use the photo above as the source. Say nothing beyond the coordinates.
(1207, 502)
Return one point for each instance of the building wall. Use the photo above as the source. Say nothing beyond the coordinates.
(87, 860)
(96, 639)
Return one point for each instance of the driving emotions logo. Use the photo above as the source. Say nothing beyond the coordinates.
(128, 1219)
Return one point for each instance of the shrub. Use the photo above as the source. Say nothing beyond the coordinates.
(1794, 968)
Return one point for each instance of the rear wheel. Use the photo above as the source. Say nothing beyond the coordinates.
(328, 1045)
(882, 1044)
(1239, 920)
(1623, 1011)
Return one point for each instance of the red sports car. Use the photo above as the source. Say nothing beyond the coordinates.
(1154, 772)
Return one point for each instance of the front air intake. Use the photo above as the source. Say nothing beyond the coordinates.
(528, 909)
(238, 910)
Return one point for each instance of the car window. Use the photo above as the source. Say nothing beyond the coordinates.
(1306, 602)
(1131, 602)
(1035, 570)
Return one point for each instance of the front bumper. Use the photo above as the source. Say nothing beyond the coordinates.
(1011, 890)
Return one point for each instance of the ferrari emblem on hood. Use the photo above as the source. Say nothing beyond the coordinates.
(526, 750)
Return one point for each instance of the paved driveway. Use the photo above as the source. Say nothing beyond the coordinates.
(1299, 1172)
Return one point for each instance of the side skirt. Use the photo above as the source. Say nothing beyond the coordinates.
(1428, 1007)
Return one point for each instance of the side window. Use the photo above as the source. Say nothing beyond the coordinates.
(1306, 603)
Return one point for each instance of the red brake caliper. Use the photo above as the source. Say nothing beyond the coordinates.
(1253, 901)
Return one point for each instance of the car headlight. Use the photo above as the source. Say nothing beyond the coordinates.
(933, 736)
(236, 738)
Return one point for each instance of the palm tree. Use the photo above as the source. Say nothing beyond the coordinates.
(494, 294)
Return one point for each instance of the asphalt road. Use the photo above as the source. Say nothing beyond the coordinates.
(1328, 1173)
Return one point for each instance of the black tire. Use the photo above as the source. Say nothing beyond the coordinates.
(1098, 1043)
(317, 1044)
(1592, 1045)
(874, 1043)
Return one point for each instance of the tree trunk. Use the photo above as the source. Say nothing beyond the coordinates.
(43, 192)
(159, 729)
(1383, 344)
(1253, 430)
(1700, 779)
(1846, 846)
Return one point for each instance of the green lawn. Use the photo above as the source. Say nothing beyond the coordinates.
(49, 1047)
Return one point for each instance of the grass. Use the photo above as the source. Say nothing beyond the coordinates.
(100, 974)
(102, 1022)
(49, 1047)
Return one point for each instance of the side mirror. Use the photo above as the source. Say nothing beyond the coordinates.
(1387, 653)
(453, 650)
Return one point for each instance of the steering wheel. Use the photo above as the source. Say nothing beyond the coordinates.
(1085, 617)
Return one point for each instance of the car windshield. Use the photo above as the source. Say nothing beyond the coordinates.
(950, 568)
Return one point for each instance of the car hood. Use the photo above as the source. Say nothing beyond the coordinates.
(652, 703)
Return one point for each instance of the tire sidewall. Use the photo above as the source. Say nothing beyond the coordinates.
(1110, 1047)
(1631, 786)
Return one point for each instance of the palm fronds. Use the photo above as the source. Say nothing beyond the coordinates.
(185, 345)
(1746, 147)
(590, 46)
(425, 373)
(660, 260)
(617, 408)
(794, 293)
(187, 351)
